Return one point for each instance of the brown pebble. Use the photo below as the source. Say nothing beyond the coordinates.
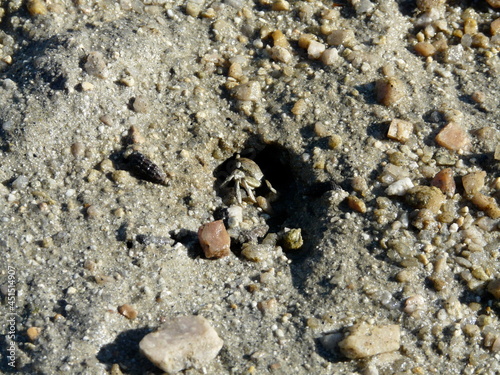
(426, 5)
(33, 333)
(300, 107)
(135, 135)
(92, 211)
(486, 204)
(478, 96)
(444, 181)
(429, 197)
(390, 90)
(214, 239)
(425, 49)
(305, 40)
(127, 311)
(279, 39)
(494, 3)
(356, 204)
(106, 120)
(495, 27)
(453, 137)
(494, 288)
(36, 7)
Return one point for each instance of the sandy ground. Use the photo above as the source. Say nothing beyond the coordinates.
(82, 233)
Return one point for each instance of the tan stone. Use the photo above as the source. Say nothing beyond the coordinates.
(400, 130)
(453, 137)
(214, 239)
(473, 182)
(445, 182)
(366, 340)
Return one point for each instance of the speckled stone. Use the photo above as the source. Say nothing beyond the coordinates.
(366, 340)
(181, 343)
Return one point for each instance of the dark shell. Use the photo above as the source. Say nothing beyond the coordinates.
(145, 169)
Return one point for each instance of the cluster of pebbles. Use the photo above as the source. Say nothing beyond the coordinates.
(399, 265)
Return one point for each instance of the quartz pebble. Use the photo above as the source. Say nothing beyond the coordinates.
(181, 343)
(214, 239)
(330, 56)
(399, 187)
(400, 130)
(453, 137)
(315, 49)
(445, 182)
(473, 182)
(365, 340)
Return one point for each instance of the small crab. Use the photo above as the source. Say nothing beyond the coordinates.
(247, 174)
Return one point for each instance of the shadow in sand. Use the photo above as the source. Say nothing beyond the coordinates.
(124, 351)
(301, 203)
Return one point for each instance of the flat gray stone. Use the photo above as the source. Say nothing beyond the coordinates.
(181, 343)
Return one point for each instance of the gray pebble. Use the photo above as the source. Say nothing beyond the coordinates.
(20, 183)
(95, 64)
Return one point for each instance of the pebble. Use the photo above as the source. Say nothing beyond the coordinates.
(292, 240)
(445, 182)
(427, 5)
(494, 288)
(453, 137)
(300, 107)
(181, 343)
(279, 39)
(495, 27)
(20, 183)
(389, 90)
(428, 197)
(315, 49)
(250, 91)
(127, 311)
(141, 104)
(330, 56)
(86, 86)
(234, 216)
(400, 130)
(278, 53)
(473, 182)
(414, 303)
(255, 252)
(305, 40)
(268, 307)
(425, 49)
(281, 5)
(341, 38)
(214, 239)
(365, 340)
(356, 204)
(33, 333)
(95, 64)
(486, 204)
(78, 149)
(494, 3)
(36, 7)
(399, 187)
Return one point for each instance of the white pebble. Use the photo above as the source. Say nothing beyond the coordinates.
(400, 187)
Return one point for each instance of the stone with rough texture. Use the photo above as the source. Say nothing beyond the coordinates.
(214, 239)
(453, 137)
(366, 340)
(444, 181)
(181, 343)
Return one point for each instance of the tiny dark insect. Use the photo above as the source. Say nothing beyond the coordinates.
(145, 169)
